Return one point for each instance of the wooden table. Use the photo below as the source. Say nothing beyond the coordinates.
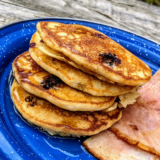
(131, 15)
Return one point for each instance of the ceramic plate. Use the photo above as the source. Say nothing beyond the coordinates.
(21, 141)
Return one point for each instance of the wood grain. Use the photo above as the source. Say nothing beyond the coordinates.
(131, 15)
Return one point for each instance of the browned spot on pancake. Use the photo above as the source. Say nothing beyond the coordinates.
(20, 69)
(90, 44)
(82, 31)
(69, 123)
(99, 35)
(35, 67)
(24, 74)
(95, 119)
(88, 33)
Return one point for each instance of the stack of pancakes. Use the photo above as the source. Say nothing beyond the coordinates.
(83, 76)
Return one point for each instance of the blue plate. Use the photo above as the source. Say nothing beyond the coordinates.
(21, 141)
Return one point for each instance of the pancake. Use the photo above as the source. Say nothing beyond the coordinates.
(60, 56)
(75, 77)
(112, 107)
(59, 121)
(96, 52)
(37, 81)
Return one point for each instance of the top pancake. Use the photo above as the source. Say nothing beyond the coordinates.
(60, 56)
(74, 77)
(96, 52)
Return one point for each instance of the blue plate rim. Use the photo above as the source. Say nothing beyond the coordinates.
(84, 20)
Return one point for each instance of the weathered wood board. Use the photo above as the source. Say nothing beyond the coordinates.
(131, 15)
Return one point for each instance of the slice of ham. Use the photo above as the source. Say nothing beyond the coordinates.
(107, 146)
(140, 123)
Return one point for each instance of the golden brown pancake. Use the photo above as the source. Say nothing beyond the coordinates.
(59, 121)
(60, 56)
(75, 77)
(96, 52)
(37, 81)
